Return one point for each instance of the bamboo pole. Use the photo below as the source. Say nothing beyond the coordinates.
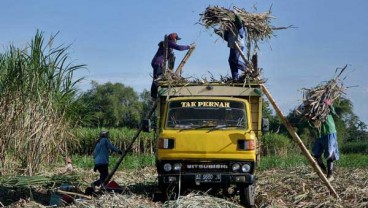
(186, 57)
(300, 143)
(130, 145)
(294, 135)
(242, 55)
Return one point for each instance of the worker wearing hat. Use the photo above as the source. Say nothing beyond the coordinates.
(158, 59)
(101, 157)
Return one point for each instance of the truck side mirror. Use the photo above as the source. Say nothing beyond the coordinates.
(146, 125)
(265, 125)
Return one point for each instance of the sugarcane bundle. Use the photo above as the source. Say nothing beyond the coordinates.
(314, 108)
(39, 180)
(258, 25)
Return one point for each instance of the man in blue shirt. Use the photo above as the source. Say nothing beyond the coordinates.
(238, 36)
(158, 59)
(101, 157)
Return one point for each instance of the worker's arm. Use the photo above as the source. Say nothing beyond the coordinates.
(175, 46)
(111, 146)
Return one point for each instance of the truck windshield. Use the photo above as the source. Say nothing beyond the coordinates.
(202, 114)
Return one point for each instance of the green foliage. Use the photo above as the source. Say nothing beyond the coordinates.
(275, 144)
(37, 93)
(284, 162)
(112, 105)
(353, 161)
(120, 137)
(131, 161)
(354, 147)
(297, 160)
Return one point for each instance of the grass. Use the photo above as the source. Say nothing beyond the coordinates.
(269, 162)
(129, 162)
(346, 160)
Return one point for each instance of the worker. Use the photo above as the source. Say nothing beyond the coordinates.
(68, 164)
(327, 143)
(101, 157)
(235, 36)
(158, 59)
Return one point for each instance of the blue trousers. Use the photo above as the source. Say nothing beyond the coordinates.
(328, 145)
(235, 63)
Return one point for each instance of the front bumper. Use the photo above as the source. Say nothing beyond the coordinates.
(216, 179)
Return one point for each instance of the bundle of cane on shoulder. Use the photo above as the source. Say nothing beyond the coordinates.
(313, 108)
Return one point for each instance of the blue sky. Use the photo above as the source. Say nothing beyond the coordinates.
(117, 40)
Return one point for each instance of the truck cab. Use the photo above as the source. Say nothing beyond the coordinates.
(207, 137)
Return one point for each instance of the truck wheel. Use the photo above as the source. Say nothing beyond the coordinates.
(247, 195)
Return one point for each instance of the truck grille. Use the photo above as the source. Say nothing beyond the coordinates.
(204, 167)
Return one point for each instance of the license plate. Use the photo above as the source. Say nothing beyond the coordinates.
(203, 178)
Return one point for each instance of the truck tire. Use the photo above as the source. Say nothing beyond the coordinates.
(247, 195)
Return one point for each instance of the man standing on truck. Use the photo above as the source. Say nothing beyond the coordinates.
(158, 59)
(327, 143)
(235, 37)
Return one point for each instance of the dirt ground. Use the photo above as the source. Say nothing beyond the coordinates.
(295, 187)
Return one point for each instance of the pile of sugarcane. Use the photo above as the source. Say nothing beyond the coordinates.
(314, 108)
(257, 24)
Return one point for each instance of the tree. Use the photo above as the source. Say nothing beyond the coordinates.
(112, 105)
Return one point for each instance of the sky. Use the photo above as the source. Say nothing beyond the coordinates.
(117, 40)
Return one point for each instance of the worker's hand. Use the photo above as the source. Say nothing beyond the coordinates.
(327, 102)
(192, 45)
(95, 169)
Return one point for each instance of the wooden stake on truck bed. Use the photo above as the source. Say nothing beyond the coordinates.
(130, 145)
(296, 138)
(242, 55)
(186, 57)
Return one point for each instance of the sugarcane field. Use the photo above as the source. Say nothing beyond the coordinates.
(184, 104)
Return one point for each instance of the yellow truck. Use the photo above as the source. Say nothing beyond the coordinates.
(207, 137)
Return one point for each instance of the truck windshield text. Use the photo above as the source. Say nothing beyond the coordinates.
(201, 114)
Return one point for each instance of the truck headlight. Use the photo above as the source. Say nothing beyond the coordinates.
(245, 168)
(167, 167)
(246, 144)
(166, 143)
(177, 167)
(236, 167)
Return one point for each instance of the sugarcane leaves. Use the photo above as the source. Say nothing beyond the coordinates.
(258, 25)
(313, 107)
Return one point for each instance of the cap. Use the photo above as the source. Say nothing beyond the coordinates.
(173, 36)
(104, 134)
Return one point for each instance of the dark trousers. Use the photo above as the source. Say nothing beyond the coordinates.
(235, 63)
(157, 71)
(103, 169)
